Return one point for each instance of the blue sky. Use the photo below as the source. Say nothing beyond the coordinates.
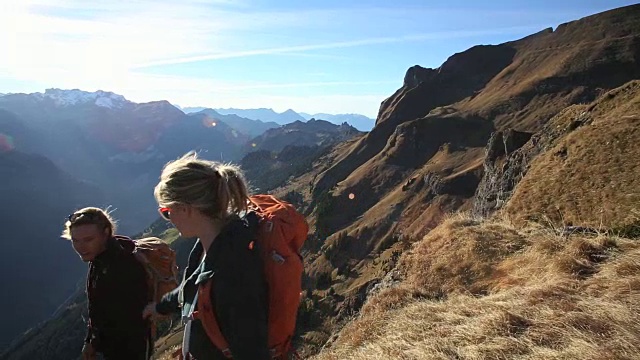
(312, 56)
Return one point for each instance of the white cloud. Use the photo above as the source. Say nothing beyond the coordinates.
(334, 45)
(95, 45)
(112, 36)
(107, 40)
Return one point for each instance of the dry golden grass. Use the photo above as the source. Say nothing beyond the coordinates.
(588, 177)
(167, 354)
(166, 346)
(489, 290)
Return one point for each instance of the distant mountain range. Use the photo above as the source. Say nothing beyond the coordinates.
(40, 269)
(290, 150)
(65, 149)
(247, 126)
(265, 115)
(119, 145)
(358, 121)
(315, 133)
(262, 114)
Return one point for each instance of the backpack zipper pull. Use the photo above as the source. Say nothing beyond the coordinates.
(277, 257)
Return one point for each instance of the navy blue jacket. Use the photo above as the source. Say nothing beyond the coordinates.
(238, 294)
(117, 294)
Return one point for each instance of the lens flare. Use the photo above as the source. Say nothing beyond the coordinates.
(352, 196)
(6, 143)
(209, 122)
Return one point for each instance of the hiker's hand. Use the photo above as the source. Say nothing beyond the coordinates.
(88, 352)
(149, 311)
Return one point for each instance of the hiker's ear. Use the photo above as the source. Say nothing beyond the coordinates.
(106, 231)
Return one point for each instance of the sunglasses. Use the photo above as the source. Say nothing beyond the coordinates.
(78, 215)
(165, 212)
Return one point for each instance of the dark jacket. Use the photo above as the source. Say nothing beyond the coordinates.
(117, 294)
(238, 294)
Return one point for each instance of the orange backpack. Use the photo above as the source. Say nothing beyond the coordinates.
(159, 261)
(282, 231)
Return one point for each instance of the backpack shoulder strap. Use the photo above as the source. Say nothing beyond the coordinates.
(126, 243)
(208, 319)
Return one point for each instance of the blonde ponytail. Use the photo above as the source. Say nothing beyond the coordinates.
(217, 190)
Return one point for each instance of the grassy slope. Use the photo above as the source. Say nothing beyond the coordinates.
(588, 177)
(476, 290)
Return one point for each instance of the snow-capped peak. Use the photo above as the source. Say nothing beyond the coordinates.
(75, 96)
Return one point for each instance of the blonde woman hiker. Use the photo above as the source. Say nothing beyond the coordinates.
(204, 199)
(241, 288)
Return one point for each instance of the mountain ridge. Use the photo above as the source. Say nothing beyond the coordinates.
(247, 126)
(510, 278)
(381, 192)
(263, 114)
(308, 133)
(33, 188)
(360, 122)
(120, 149)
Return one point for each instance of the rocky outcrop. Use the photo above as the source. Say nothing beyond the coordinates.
(463, 185)
(503, 168)
(268, 170)
(508, 156)
(311, 133)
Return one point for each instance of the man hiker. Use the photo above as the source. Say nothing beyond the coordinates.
(116, 288)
